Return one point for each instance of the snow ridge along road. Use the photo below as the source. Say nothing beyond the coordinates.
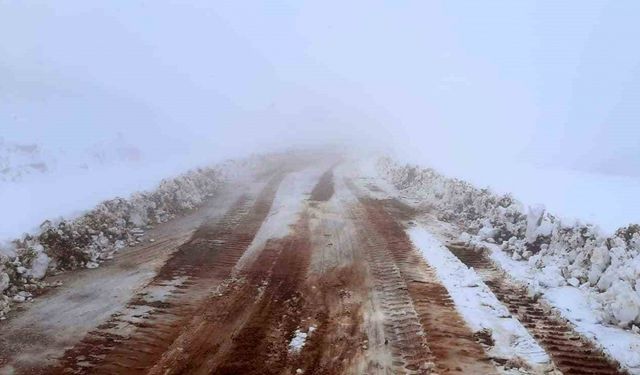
(572, 353)
(305, 270)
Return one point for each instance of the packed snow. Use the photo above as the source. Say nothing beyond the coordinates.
(479, 306)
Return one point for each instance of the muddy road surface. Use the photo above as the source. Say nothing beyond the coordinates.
(305, 271)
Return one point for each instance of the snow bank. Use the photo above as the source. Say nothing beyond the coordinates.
(576, 305)
(98, 234)
(566, 253)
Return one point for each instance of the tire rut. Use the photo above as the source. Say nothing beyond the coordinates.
(403, 329)
(324, 189)
(261, 345)
(453, 345)
(245, 327)
(571, 352)
(135, 339)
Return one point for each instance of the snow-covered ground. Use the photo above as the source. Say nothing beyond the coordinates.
(39, 183)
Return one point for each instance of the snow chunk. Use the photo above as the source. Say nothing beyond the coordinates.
(534, 219)
(487, 231)
(4, 281)
(623, 303)
(298, 341)
(39, 266)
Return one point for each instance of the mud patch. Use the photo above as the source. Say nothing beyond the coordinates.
(261, 346)
(333, 316)
(323, 191)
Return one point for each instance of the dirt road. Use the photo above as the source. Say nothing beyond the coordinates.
(301, 272)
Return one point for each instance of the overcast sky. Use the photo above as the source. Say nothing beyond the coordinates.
(545, 82)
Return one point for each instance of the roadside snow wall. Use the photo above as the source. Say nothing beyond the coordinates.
(567, 253)
(95, 236)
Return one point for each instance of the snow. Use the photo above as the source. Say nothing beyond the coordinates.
(534, 221)
(579, 306)
(97, 234)
(69, 193)
(40, 265)
(300, 339)
(478, 305)
(562, 251)
(610, 201)
(287, 205)
(591, 277)
(4, 281)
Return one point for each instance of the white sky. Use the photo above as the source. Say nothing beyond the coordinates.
(467, 86)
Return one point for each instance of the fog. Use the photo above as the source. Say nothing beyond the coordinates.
(539, 98)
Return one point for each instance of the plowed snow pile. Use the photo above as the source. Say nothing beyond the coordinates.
(560, 253)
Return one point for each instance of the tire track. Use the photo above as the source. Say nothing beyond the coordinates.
(245, 327)
(261, 345)
(134, 340)
(405, 274)
(403, 329)
(333, 307)
(324, 189)
(570, 351)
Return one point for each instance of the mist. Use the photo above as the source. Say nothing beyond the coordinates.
(537, 98)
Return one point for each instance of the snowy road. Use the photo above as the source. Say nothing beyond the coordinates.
(313, 270)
